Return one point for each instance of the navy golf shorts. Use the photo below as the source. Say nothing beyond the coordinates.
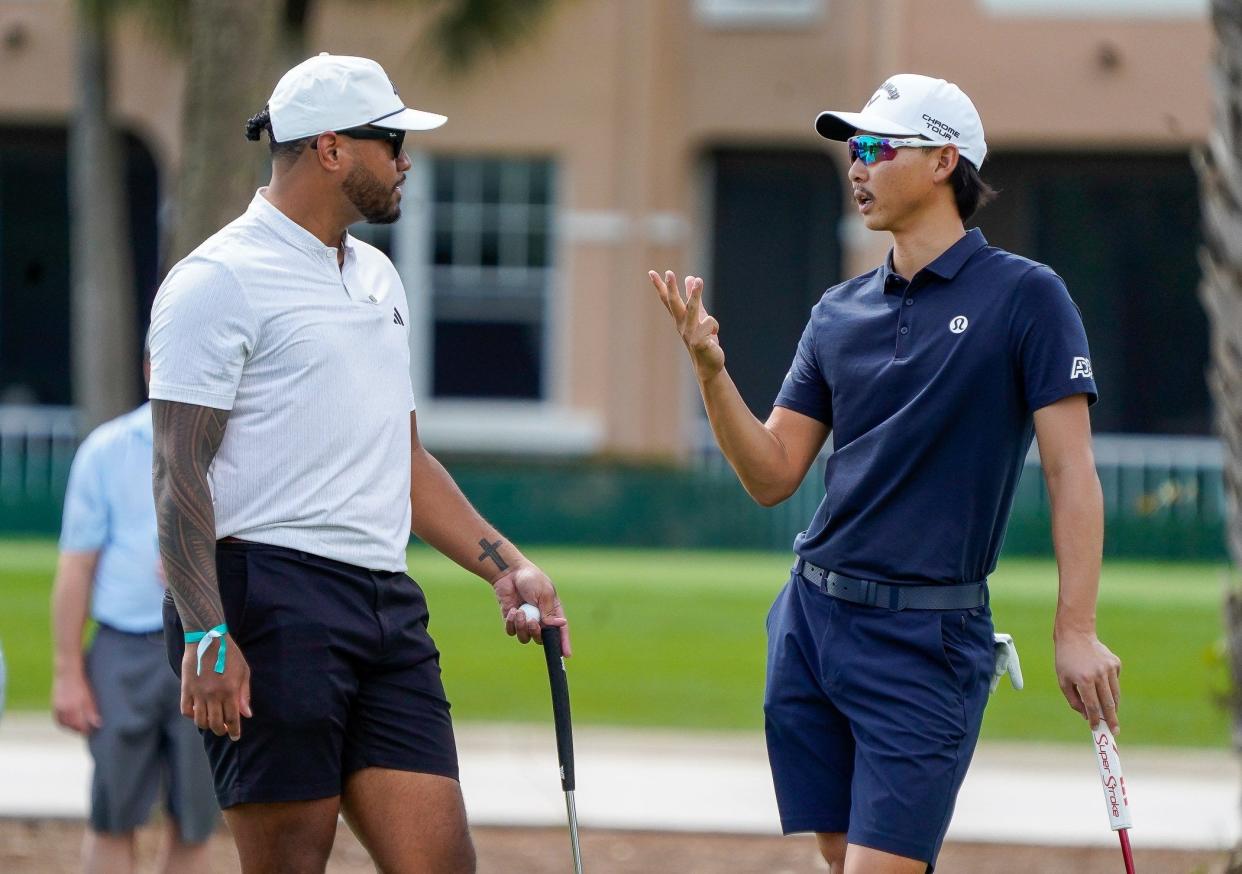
(872, 716)
(343, 676)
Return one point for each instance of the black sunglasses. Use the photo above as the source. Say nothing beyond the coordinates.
(394, 137)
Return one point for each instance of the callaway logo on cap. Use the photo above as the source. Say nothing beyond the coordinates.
(910, 105)
(337, 92)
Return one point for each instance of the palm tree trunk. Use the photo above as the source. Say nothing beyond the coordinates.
(1220, 174)
(104, 348)
(294, 20)
(1219, 165)
(229, 77)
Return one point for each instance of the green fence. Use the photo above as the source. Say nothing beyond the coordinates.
(36, 448)
(1163, 496)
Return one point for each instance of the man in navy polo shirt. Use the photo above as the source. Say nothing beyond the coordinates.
(933, 372)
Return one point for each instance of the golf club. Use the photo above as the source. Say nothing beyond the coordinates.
(1116, 801)
(564, 728)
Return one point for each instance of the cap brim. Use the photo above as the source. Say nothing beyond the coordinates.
(843, 125)
(412, 119)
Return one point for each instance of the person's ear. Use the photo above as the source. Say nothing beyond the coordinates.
(946, 162)
(328, 151)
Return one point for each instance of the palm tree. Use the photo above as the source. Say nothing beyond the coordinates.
(232, 44)
(237, 50)
(102, 342)
(1219, 166)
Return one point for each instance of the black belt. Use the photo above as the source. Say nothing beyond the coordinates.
(156, 635)
(915, 596)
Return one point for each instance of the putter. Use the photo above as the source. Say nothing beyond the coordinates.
(1113, 783)
(564, 728)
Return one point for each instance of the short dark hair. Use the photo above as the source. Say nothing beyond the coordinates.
(969, 190)
(256, 124)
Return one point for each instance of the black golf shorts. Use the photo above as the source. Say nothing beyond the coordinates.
(343, 675)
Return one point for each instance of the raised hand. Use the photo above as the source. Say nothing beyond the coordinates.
(698, 330)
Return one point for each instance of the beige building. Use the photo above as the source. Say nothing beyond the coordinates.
(678, 133)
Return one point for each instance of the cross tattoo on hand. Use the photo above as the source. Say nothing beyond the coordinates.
(490, 551)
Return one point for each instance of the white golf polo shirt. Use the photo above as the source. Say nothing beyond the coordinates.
(313, 361)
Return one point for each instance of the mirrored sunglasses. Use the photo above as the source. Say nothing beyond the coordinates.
(873, 150)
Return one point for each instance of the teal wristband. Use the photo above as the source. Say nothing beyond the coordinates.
(204, 639)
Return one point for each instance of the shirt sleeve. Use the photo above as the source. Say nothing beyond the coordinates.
(805, 390)
(202, 332)
(84, 521)
(1050, 341)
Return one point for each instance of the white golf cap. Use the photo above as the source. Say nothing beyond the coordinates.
(910, 105)
(337, 92)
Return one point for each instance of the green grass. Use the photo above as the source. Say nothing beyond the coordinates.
(676, 639)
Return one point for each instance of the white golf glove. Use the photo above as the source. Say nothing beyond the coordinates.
(1006, 661)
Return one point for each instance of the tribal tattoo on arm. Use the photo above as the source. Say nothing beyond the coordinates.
(187, 437)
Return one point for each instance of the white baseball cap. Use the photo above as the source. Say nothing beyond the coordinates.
(910, 105)
(337, 92)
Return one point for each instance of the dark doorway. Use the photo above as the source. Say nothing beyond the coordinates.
(1123, 231)
(34, 258)
(775, 250)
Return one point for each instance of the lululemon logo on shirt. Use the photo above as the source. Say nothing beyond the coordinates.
(1081, 368)
(958, 324)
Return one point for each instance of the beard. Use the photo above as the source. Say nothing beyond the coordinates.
(371, 197)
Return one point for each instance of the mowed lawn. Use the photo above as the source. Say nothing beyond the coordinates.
(676, 639)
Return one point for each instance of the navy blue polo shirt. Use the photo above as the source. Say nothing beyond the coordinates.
(929, 387)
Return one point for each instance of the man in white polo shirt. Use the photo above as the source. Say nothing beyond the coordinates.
(288, 477)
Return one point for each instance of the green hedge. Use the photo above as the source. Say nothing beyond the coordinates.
(1150, 513)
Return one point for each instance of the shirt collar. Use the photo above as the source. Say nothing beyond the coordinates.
(286, 228)
(953, 258)
(948, 263)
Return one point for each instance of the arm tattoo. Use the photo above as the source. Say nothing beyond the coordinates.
(490, 551)
(186, 439)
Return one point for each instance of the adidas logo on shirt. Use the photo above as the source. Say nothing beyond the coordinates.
(396, 317)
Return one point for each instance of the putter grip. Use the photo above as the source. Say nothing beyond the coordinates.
(560, 704)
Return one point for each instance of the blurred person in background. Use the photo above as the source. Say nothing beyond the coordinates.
(933, 372)
(119, 692)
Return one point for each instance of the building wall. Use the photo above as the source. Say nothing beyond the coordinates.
(627, 97)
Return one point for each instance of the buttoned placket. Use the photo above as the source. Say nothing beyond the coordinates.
(896, 284)
(339, 269)
(302, 239)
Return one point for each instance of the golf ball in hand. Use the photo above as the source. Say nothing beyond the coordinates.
(531, 612)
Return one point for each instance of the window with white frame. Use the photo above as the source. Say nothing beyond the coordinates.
(490, 269)
(487, 259)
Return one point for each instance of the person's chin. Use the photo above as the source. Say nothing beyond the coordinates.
(874, 221)
(386, 218)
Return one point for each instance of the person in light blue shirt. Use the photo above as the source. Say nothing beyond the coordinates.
(119, 692)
